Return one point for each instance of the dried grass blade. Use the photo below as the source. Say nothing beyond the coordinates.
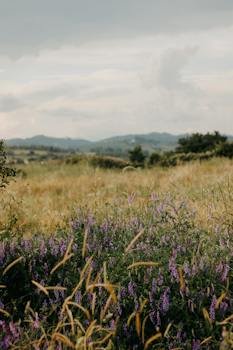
(152, 339)
(5, 313)
(40, 287)
(62, 262)
(143, 263)
(84, 243)
(134, 240)
(12, 264)
(85, 311)
(63, 339)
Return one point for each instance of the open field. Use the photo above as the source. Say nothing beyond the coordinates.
(106, 259)
(45, 199)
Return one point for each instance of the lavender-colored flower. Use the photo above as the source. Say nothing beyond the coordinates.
(158, 319)
(132, 288)
(36, 322)
(78, 297)
(136, 304)
(223, 307)
(187, 269)
(2, 252)
(42, 249)
(160, 279)
(173, 269)
(123, 293)
(151, 298)
(14, 329)
(219, 267)
(153, 317)
(112, 325)
(165, 302)
(56, 294)
(212, 308)
(153, 286)
(6, 342)
(196, 345)
(225, 272)
(126, 329)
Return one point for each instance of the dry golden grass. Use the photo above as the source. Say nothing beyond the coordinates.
(46, 198)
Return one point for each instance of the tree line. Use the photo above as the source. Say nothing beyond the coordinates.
(192, 147)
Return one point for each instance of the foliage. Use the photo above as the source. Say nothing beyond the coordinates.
(154, 158)
(225, 150)
(5, 171)
(107, 162)
(197, 142)
(137, 156)
(141, 278)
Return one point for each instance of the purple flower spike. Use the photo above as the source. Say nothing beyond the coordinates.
(165, 301)
(212, 308)
(196, 345)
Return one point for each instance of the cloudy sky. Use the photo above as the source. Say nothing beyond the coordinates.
(93, 69)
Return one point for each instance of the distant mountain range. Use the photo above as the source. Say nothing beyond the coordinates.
(148, 142)
(116, 144)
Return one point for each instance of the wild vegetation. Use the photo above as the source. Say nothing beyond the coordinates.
(100, 257)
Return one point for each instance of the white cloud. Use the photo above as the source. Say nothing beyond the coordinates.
(163, 81)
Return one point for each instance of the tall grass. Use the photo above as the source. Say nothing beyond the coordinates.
(93, 259)
(44, 199)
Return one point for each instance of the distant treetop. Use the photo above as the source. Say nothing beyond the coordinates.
(197, 143)
(5, 171)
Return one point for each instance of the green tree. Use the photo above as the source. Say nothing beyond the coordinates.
(137, 156)
(155, 158)
(5, 171)
(225, 150)
(197, 143)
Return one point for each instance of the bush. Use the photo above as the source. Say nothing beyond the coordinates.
(108, 162)
(137, 156)
(75, 159)
(225, 150)
(173, 159)
(154, 159)
(5, 171)
(197, 143)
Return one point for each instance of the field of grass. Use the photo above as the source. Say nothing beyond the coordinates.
(107, 259)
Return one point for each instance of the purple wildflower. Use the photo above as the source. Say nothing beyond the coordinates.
(173, 269)
(223, 307)
(225, 272)
(132, 288)
(219, 268)
(153, 286)
(196, 345)
(36, 322)
(165, 302)
(187, 270)
(212, 308)
(14, 329)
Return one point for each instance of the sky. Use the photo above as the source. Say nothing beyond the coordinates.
(93, 69)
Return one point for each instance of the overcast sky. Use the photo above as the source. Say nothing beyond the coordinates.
(97, 68)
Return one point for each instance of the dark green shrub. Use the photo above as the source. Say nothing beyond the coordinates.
(225, 150)
(198, 143)
(75, 159)
(108, 162)
(154, 158)
(5, 171)
(137, 156)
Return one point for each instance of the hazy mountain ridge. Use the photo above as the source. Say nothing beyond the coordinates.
(149, 142)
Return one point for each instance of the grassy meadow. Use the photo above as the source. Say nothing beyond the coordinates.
(47, 195)
(113, 259)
